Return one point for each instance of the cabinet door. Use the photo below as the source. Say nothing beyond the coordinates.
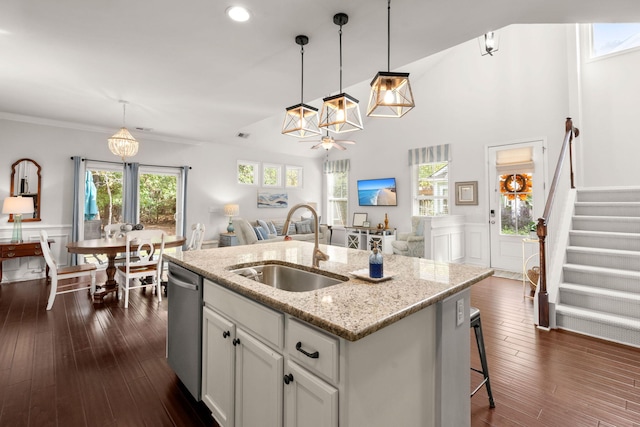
(308, 401)
(218, 363)
(259, 373)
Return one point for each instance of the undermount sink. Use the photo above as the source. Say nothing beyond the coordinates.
(288, 278)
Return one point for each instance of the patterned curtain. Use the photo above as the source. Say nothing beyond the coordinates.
(432, 154)
(335, 166)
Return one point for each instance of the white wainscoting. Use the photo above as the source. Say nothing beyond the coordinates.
(444, 238)
(477, 240)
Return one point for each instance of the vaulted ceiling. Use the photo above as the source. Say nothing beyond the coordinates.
(191, 75)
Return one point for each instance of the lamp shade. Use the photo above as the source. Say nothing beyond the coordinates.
(391, 95)
(17, 205)
(231, 210)
(123, 144)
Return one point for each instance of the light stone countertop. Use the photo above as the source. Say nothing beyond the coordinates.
(351, 310)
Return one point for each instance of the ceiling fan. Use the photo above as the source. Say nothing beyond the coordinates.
(327, 142)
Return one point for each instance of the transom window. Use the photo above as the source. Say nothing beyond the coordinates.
(607, 39)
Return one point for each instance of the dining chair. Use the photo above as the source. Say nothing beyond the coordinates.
(70, 272)
(197, 236)
(143, 258)
(113, 230)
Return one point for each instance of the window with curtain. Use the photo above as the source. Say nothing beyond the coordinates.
(430, 180)
(337, 182)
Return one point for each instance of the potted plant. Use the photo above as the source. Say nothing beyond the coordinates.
(533, 229)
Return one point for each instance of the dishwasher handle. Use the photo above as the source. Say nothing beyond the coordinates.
(181, 283)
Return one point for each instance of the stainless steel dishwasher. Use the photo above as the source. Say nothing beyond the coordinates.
(184, 329)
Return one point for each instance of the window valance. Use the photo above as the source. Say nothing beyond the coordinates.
(432, 154)
(335, 166)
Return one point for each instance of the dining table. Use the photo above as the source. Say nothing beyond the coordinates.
(111, 247)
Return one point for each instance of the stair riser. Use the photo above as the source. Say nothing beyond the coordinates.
(620, 262)
(599, 329)
(601, 280)
(604, 210)
(627, 243)
(627, 225)
(617, 306)
(608, 195)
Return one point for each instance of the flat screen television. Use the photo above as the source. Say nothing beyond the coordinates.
(377, 192)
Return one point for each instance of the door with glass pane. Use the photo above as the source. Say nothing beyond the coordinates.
(103, 190)
(158, 199)
(516, 197)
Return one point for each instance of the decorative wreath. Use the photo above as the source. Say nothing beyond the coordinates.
(515, 185)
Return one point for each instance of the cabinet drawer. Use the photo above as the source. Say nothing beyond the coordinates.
(32, 249)
(322, 350)
(263, 322)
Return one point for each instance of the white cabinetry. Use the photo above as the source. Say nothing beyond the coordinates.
(242, 373)
(363, 238)
(308, 401)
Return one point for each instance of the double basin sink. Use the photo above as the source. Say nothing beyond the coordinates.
(289, 277)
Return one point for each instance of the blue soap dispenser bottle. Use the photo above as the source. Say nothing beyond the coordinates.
(375, 262)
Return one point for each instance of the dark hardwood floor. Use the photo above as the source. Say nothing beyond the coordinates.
(86, 365)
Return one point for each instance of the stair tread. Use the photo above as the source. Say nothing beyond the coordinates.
(589, 249)
(601, 291)
(606, 233)
(606, 203)
(608, 218)
(607, 270)
(614, 319)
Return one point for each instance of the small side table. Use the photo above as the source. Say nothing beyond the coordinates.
(525, 263)
(228, 239)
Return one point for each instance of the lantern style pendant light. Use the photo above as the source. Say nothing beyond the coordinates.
(340, 113)
(489, 43)
(122, 143)
(391, 94)
(301, 120)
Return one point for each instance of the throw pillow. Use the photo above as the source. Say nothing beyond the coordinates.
(303, 227)
(261, 233)
(272, 228)
(262, 223)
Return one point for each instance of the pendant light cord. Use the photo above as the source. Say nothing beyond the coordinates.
(389, 35)
(124, 115)
(302, 74)
(340, 32)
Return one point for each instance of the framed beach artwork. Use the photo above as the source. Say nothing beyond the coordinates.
(467, 193)
(272, 199)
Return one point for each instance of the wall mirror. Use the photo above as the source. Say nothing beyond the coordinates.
(25, 182)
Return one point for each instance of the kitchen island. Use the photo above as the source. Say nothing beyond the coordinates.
(391, 353)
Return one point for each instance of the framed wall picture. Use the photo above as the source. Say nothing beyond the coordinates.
(359, 219)
(467, 193)
(366, 224)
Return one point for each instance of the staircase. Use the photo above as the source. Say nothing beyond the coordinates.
(600, 291)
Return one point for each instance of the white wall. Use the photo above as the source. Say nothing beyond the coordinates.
(471, 102)
(211, 182)
(609, 143)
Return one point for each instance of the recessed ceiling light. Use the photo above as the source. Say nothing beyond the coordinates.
(238, 13)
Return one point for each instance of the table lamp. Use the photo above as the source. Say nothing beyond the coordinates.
(231, 211)
(17, 206)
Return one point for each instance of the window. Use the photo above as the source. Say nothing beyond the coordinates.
(293, 176)
(337, 198)
(271, 175)
(247, 172)
(431, 189)
(613, 38)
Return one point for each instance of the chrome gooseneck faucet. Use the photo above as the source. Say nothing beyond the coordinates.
(318, 255)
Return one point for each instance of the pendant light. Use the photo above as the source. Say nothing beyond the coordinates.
(340, 113)
(391, 94)
(301, 120)
(489, 43)
(122, 143)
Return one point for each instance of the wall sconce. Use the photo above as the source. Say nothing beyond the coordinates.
(17, 206)
(489, 43)
(231, 211)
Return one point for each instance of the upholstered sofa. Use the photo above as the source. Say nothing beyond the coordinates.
(270, 230)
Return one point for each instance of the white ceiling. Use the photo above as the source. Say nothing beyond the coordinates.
(191, 75)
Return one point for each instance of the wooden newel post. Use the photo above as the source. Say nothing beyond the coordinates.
(543, 295)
